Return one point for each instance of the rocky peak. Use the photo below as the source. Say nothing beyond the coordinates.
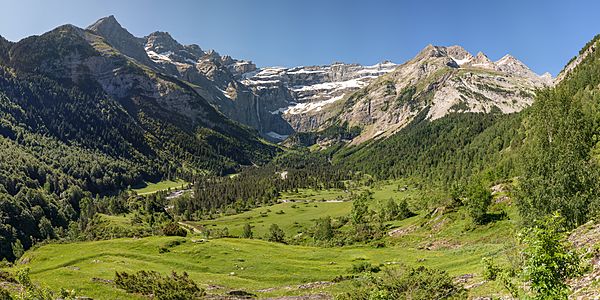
(459, 54)
(161, 42)
(512, 65)
(194, 50)
(118, 37)
(432, 51)
(482, 61)
(106, 24)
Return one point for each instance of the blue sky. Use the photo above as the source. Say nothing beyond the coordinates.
(543, 34)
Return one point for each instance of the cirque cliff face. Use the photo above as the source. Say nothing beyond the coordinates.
(380, 99)
(440, 80)
(304, 91)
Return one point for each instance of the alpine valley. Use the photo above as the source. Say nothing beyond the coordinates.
(140, 168)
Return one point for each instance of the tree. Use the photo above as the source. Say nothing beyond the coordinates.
(276, 234)
(46, 229)
(396, 211)
(18, 249)
(359, 209)
(478, 200)
(550, 259)
(323, 231)
(247, 231)
(391, 210)
(560, 171)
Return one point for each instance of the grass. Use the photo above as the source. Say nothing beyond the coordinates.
(250, 265)
(151, 188)
(293, 218)
(442, 238)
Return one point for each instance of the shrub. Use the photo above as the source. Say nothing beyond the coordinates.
(276, 234)
(172, 229)
(490, 269)
(363, 267)
(550, 259)
(479, 199)
(5, 295)
(323, 231)
(173, 287)
(402, 283)
(247, 231)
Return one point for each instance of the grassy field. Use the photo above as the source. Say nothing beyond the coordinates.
(441, 238)
(251, 265)
(151, 188)
(293, 218)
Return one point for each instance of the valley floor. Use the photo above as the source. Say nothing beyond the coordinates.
(435, 238)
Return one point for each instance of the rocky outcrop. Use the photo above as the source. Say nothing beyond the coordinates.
(120, 39)
(585, 52)
(305, 92)
(438, 80)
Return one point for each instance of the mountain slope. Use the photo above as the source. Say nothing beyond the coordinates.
(79, 118)
(439, 80)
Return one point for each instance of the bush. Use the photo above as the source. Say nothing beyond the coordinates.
(479, 199)
(363, 267)
(323, 231)
(490, 269)
(402, 283)
(550, 259)
(276, 234)
(5, 295)
(173, 287)
(247, 232)
(173, 229)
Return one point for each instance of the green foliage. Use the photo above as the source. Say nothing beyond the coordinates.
(151, 283)
(478, 200)
(247, 231)
(405, 283)
(490, 269)
(173, 229)
(5, 295)
(364, 267)
(447, 150)
(550, 259)
(276, 234)
(33, 291)
(560, 161)
(17, 249)
(360, 208)
(393, 211)
(323, 231)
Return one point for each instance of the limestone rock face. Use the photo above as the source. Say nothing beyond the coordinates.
(381, 98)
(307, 92)
(438, 81)
(119, 38)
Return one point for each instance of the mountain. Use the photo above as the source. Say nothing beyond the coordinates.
(279, 101)
(211, 75)
(153, 113)
(294, 92)
(439, 80)
(588, 49)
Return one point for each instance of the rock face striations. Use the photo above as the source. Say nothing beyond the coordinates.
(380, 99)
(438, 81)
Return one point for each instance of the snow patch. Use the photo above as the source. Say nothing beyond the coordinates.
(461, 62)
(301, 108)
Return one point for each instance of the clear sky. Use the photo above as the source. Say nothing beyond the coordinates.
(543, 34)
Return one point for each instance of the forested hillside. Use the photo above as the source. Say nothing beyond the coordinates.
(67, 135)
